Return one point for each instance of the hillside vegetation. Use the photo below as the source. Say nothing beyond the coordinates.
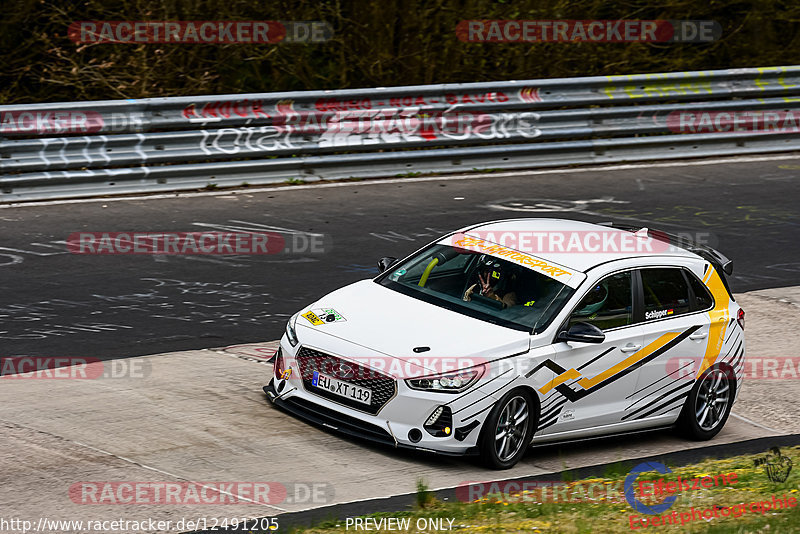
(376, 43)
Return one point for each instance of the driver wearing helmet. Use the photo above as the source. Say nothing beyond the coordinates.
(493, 282)
(593, 302)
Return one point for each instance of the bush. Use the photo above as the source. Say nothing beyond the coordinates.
(376, 43)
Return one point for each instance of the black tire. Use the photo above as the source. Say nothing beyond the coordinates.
(709, 404)
(497, 452)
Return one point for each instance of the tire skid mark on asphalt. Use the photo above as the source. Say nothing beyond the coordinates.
(139, 464)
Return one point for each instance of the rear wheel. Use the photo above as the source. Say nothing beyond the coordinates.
(508, 430)
(709, 404)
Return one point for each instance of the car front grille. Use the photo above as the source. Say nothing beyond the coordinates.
(383, 387)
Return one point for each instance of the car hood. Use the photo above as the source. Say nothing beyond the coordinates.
(374, 319)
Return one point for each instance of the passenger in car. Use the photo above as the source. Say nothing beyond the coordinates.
(494, 282)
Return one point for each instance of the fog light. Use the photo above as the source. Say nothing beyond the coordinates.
(440, 423)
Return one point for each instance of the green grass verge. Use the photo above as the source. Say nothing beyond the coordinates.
(598, 505)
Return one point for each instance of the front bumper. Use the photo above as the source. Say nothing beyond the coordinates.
(334, 420)
(396, 420)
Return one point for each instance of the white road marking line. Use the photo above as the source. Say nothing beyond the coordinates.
(244, 357)
(138, 464)
(379, 181)
(167, 473)
(746, 420)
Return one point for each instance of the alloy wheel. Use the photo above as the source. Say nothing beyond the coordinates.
(511, 428)
(712, 401)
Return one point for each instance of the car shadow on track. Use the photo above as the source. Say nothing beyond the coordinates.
(542, 458)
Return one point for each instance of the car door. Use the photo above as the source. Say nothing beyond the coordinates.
(593, 379)
(676, 323)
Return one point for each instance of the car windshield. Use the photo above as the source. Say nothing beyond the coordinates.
(480, 286)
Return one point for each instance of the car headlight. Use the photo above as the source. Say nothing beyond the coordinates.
(454, 382)
(291, 335)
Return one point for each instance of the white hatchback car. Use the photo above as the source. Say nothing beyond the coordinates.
(516, 332)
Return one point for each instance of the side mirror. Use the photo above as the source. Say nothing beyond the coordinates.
(386, 262)
(583, 333)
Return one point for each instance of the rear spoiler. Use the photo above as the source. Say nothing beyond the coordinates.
(713, 256)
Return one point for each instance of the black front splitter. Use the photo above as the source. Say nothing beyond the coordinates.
(326, 418)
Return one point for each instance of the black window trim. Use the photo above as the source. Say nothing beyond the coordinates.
(632, 270)
(689, 276)
(531, 330)
(692, 303)
(638, 297)
(637, 288)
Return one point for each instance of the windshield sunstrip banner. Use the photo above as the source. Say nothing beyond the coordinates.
(553, 270)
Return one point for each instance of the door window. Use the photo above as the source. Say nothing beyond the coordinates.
(608, 304)
(666, 293)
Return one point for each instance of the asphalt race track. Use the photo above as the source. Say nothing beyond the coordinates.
(200, 415)
(54, 303)
(196, 329)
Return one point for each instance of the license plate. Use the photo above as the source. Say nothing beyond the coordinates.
(342, 389)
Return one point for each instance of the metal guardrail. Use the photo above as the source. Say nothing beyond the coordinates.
(129, 146)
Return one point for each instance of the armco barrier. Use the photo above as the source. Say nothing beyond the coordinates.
(165, 144)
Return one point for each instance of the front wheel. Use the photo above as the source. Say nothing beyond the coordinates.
(508, 430)
(709, 404)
